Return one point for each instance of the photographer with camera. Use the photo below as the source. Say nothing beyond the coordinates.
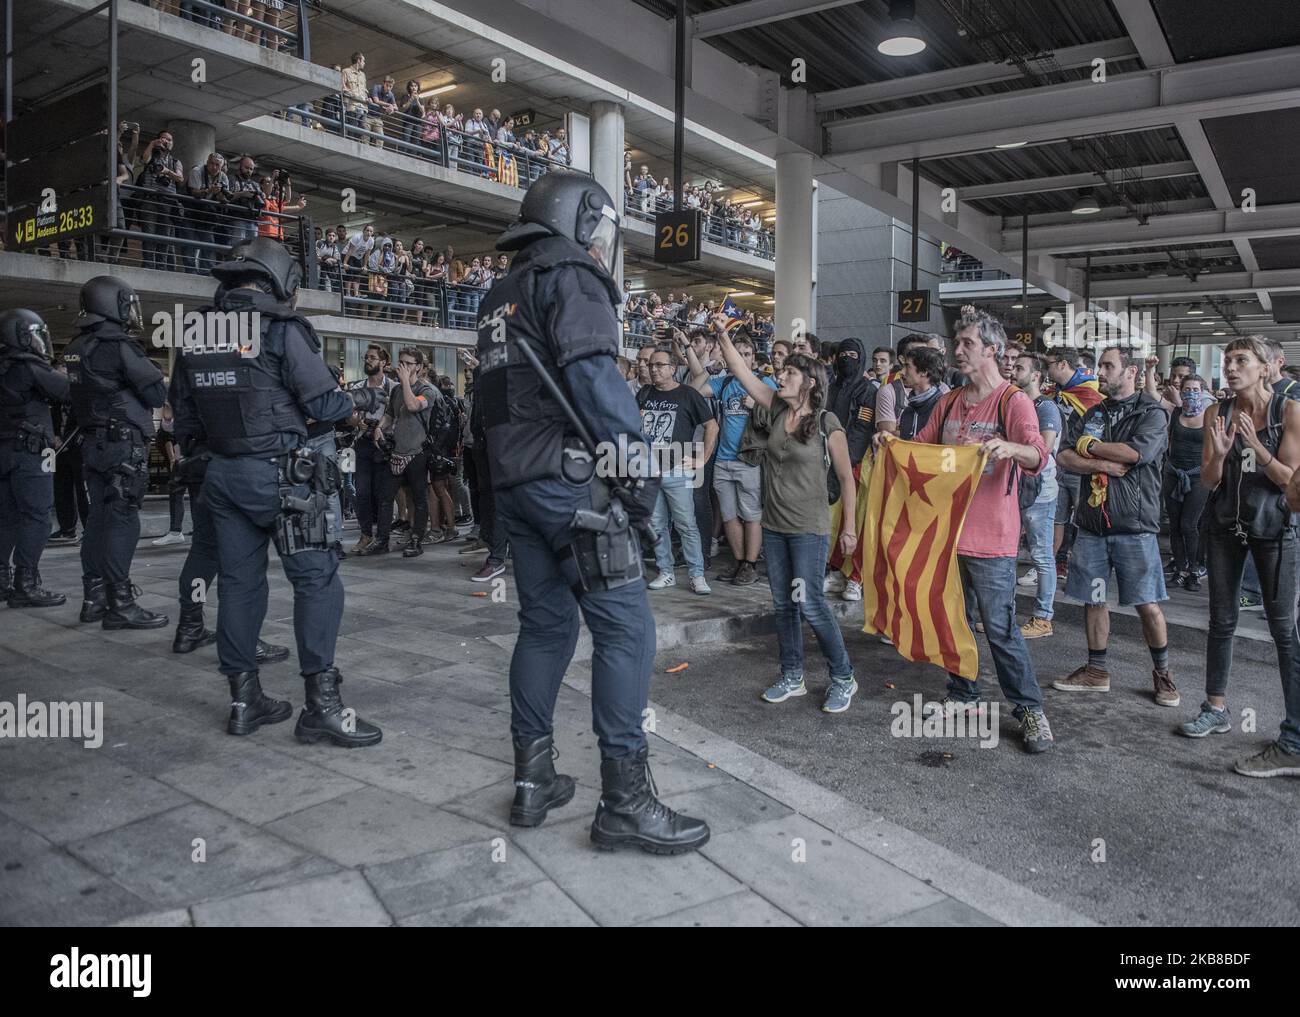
(160, 211)
(374, 482)
(245, 200)
(208, 188)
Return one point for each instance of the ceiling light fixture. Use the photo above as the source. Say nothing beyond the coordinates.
(1013, 144)
(904, 35)
(437, 91)
(1220, 332)
(1087, 204)
(743, 293)
(1195, 309)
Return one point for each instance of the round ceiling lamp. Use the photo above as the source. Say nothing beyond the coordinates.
(904, 37)
(1087, 204)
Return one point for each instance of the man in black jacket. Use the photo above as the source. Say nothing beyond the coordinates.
(852, 398)
(1120, 453)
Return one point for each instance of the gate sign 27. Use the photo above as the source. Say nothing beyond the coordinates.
(913, 305)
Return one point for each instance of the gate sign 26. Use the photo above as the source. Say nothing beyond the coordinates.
(677, 236)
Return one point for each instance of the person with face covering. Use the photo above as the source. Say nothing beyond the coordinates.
(1185, 498)
(852, 398)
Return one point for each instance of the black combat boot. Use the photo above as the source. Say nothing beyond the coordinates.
(6, 581)
(538, 787)
(414, 547)
(631, 814)
(27, 591)
(269, 653)
(94, 605)
(325, 717)
(250, 707)
(124, 613)
(190, 633)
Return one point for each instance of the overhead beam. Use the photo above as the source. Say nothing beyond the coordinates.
(1112, 260)
(1228, 86)
(738, 17)
(964, 77)
(1143, 27)
(1073, 181)
(1227, 283)
(1213, 226)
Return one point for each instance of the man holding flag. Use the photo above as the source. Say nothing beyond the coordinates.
(990, 412)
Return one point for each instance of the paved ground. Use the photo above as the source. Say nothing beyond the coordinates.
(174, 822)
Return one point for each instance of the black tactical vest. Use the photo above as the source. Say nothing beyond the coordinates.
(101, 390)
(523, 424)
(244, 406)
(20, 401)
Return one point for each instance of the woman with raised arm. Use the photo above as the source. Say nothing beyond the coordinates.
(803, 440)
(1250, 454)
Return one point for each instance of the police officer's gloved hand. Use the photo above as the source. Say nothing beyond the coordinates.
(638, 497)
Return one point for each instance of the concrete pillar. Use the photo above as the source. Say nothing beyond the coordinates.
(794, 244)
(863, 260)
(607, 161)
(193, 142)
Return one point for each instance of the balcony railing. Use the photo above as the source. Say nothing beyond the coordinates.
(425, 137)
(973, 271)
(726, 232)
(274, 24)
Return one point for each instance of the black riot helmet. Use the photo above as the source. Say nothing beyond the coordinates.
(104, 298)
(261, 260)
(563, 203)
(24, 331)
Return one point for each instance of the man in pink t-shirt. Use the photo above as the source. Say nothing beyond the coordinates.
(978, 413)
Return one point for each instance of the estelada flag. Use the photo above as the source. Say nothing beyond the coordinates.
(917, 496)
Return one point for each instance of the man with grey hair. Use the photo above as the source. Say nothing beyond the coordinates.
(991, 412)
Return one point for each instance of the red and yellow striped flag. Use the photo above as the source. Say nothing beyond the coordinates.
(916, 500)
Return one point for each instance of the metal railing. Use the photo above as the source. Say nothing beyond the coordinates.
(971, 271)
(275, 24)
(173, 232)
(726, 231)
(393, 294)
(424, 137)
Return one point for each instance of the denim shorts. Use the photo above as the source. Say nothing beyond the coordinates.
(1135, 558)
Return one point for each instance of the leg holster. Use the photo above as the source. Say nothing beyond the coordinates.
(605, 552)
(303, 522)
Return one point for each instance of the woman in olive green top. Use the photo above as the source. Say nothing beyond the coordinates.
(803, 440)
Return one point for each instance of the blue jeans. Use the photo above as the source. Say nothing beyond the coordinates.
(989, 584)
(801, 557)
(677, 495)
(1039, 519)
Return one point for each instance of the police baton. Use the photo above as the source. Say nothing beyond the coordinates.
(67, 441)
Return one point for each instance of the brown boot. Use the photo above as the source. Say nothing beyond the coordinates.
(1166, 691)
(1036, 628)
(364, 542)
(1085, 679)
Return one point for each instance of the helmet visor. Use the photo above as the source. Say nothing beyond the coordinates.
(38, 339)
(605, 239)
(134, 316)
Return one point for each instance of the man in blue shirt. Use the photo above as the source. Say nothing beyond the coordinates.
(1027, 374)
(736, 482)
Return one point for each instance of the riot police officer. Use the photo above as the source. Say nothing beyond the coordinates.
(27, 387)
(115, 389)
(548, 336)
(250, 402)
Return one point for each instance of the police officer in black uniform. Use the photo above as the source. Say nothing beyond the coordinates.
(115, 389)
(28, 384)
(250, 403)
(571, 531)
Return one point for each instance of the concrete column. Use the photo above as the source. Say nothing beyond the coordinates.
(193, 141)
(607, 160)
(794, 244)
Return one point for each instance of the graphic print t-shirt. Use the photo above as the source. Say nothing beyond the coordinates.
(672, 417)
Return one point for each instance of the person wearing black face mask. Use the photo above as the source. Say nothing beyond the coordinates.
(852, 398)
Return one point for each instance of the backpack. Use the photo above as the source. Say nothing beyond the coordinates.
(1030, 485)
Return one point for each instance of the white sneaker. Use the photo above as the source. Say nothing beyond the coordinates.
(1030, 578)
(665, 580)
(169, 538)
(698, 585)
(852, 591)
(886, 640)
(834, 583)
